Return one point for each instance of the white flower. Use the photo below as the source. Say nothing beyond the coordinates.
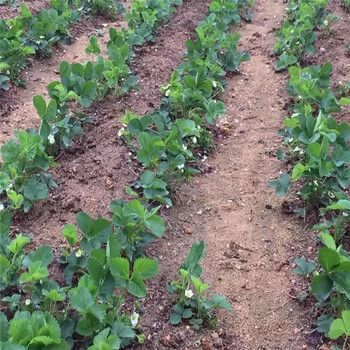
(325, 22)
(121, 132)
(51, 139)
(340, 83)
(214, 84)
(28, 302)
(78, 253)
(181, 166)
(184, 147)
(199, 128)
(134, 318)
(167, 93)
(194, 140)
(292, 31)
(345, 214)
(188, 293)
(204, 159)
(1, 207)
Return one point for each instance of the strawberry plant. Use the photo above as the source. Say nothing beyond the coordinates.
(341, 327)
(195, 308)
(23, 176)
(31, 331)
(318, 143)
(102, 7)
(297, 35)
(317, 146)
(11, 252)
(92, 307)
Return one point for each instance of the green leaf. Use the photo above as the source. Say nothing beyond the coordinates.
(221, 302)
(281, 186)
(156, 224)
(35, 190)
(43, 254)
(93, 47)
(342, 204)
(187, 313)
(337, 329)
(175, 318)
(324, 323)
(136, 285)
(4, 331)
(304, 267)
(194, 257)
(87, 326)
(18, 243)
(328, 240)
(321, 287)
(341, 276)
(113, 247)
(70, 233)
(84, 222)
(95, 269)
(346, 318)
(135, 207)
(40, 105)
(147, 268)
(120, 268)
(5, 267)
(328, 258)
(35, 273)
(81, 299)
(16, 198)
(298, 171)
(198, 285)
(344, 101)
(54, 295)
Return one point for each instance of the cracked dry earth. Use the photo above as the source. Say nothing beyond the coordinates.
(251, 243)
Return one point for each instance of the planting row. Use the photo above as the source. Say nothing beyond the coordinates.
(318, 147)
(105, 263)
(23, 178)
(29, 34)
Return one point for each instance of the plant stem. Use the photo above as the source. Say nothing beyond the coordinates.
(345, 342)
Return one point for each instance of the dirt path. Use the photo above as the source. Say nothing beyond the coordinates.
(42, 71)
(249, 240)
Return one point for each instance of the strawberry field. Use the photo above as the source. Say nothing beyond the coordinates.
(174, 174)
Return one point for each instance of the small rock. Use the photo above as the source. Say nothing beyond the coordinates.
(188, 231)
(218, 343)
